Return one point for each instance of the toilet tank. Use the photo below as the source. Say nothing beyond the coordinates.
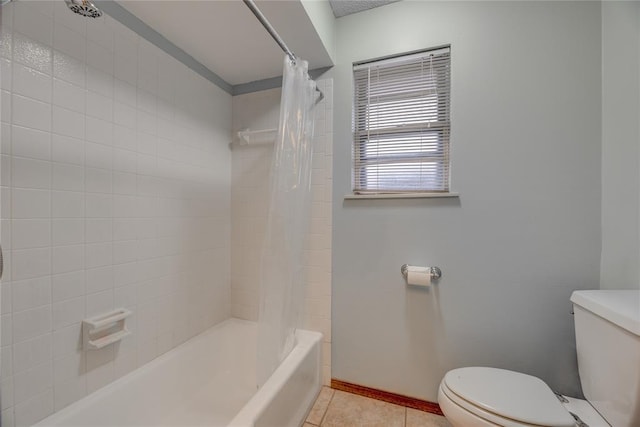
(607, 326)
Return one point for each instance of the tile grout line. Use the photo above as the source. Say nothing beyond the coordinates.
(405, 416)
(51, 220)
(328, 404)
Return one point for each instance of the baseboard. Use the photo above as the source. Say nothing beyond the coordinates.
(385, 396)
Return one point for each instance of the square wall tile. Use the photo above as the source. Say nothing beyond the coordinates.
(30, 113)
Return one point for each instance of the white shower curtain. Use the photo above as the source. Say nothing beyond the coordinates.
(281, 279)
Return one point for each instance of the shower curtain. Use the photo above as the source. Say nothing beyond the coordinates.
(281, 280)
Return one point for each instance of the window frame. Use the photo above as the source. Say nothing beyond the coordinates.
(441, 132)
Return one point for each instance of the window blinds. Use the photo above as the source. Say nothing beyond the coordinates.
(401, 124)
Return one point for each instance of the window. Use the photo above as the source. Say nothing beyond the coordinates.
(401, 124)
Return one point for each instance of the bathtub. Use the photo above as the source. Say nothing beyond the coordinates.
(208, 381)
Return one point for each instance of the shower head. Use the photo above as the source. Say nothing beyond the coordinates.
(84, 8)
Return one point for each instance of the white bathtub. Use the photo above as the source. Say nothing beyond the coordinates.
(207, 381)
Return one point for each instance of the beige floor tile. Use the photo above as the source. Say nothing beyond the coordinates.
(417, 418)
(320, 407)
(350, 410)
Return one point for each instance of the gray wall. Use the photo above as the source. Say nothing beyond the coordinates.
(620, 150)
(525, 232)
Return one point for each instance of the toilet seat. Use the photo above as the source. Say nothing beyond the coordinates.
(505, 398)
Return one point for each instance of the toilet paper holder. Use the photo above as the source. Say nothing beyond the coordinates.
(435, 272)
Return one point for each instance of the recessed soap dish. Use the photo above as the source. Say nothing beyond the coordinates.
(105, 329)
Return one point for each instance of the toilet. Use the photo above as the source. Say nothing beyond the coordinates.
(607, 325)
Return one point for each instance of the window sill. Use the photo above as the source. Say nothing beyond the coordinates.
(400, 196)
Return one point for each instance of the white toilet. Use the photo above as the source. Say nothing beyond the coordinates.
(607, 327)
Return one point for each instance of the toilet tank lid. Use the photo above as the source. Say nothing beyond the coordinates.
(620, 307)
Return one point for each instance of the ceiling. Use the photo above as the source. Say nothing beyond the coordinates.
(227, 38)
(347, 7)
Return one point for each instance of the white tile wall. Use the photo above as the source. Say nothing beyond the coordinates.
(250, 203)
(115, 192)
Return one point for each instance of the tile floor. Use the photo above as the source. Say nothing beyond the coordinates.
(334, 408)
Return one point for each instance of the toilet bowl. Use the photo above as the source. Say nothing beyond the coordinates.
(608, 346)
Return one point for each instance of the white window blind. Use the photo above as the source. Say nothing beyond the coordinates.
(401, 124)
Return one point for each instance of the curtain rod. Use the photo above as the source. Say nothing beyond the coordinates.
(274, 34)
(267, 26)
